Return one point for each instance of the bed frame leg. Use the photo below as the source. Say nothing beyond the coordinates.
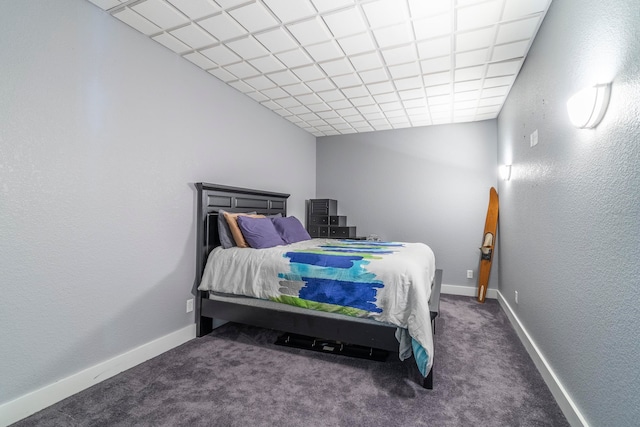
(428, 380)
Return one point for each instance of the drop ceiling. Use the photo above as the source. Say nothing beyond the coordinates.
(343, 66)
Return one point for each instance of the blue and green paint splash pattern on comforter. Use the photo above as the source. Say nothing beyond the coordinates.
(387, 281)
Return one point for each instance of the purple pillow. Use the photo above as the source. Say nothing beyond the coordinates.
(259, 232)
(290, 229)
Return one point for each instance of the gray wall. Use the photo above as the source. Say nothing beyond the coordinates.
(428, 184)
(570, 218)
(102, 133)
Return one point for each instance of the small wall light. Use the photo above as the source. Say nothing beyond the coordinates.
(505, 172)
(587, 107)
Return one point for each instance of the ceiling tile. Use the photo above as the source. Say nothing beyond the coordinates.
(495, 91)
(378, 88)
(275, 93)
(366, 61)
(468, 85)
(435, 65)
(337, 67)
(356, 44)
(437, 78)
(363, 100)
(328, 5)
(222, 26)
(136, 21)
(267, 64)
(221, 55)
(194, 36)
(325, 51)
(404, 70)
(471, 58)
(160, 13)
(496, 100)
(386, 97)
(200, 60)
(394, 35)
(241, 86)
(310, 72)
(518, 30)
(257, 96)
(171, 42)
(284, 78)
(400, 55)
(277, 40)
(347, 80)
(471, 95)
(439, 90)
(297, 89)
(374, 76)
(299, 110)
(254, 17)
(471, 73)
(231, 3)
(517, 8)
(423, 8)
(382, 13)
(355, 92)
(311, 99)
(504, 68)
(222, 74)
(498, 81)
(432, 27)
(287, 10)
(331, 95)
(478, 15)
(260, 83)
(411, 103)
(319, 107)
(242, 70)
(196, 9)
(320, 85)
(436, 47)
(475, 39)
(510, 51)
(294, 58)
(408, 83)
(248, 48)
(345, 22)
(310, 31)
(288, 102)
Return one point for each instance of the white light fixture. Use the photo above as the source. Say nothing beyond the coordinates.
(587, 107)
(505, 172)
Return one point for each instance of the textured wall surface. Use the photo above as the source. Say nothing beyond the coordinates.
(570, 216)
(102, 134)
(428, 184)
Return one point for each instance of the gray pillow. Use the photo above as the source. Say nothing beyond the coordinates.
(224, 232)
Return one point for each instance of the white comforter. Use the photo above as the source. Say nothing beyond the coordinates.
(386, 281)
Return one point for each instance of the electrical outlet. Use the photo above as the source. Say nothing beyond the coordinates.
(516, 297)
(189, 305)
(469, 274)
(533, 138)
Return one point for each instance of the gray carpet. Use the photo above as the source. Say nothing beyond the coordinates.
(236, 376)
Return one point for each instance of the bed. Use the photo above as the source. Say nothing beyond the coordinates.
(214, 307)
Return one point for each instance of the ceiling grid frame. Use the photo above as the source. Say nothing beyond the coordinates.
(387, 71)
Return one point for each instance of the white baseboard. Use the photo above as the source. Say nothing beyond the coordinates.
(46, 396)
(468, 291)
(567, 405)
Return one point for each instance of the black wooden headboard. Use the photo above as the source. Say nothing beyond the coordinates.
(213, 197)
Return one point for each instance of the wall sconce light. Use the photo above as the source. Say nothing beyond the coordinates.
(505, 172)
(587, 107)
